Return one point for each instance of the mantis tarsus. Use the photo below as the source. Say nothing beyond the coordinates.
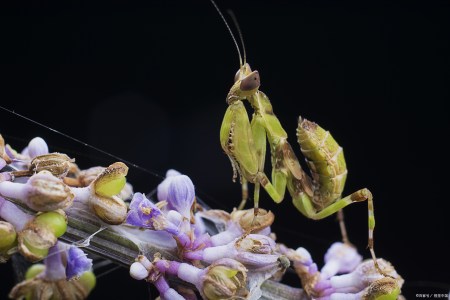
(244, 142)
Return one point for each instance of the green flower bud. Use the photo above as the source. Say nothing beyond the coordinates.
(56, 221)
(41, 234)
(225, 279)
(45, 289)
(385, 288)
(8, 240)
(34, 270)
(7, 236)
(88, 281)
(108, 207)
(111, 181)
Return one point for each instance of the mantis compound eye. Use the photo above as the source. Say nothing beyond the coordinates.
(242, 72)
(250, 82)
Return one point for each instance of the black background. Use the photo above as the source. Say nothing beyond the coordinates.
(147, 82)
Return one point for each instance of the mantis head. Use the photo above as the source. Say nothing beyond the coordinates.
(246, 83)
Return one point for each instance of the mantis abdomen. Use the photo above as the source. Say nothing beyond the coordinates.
(326, 161)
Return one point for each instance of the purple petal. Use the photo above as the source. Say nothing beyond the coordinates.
(142, 211)
(36, 147)
(340, 258)
(77, 262)
(181, 194)
(163, 187)
(10, 152)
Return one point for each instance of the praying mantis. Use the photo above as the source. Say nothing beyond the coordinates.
(245, 141)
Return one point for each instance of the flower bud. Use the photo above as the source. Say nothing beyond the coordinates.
(108, 207)
(225, 279)
(181, 195)
(86, 177)
(56, 163)
(163, 187)
(111, 210)
(7, 236)
(34, 270)
(42, 288)
(141, 268)
(249, 222)
(87, 281)
(138, 271)
(340, 258)
(111, 181)
(8, 240)
(47, 193)
(37, 147)
(40, 234)
(382, 289)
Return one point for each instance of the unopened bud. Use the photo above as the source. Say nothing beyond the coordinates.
(382, 289)
(40, 234)
(111, 181)
(163, 187)
(7, 236)
(108, 207)
(48, 193)
(86, 177)
(225, 279)
(34, 270)
(37, 147)
(8, 240)
(111, 210)
(56, 163)
(249, 222)
(45, 289)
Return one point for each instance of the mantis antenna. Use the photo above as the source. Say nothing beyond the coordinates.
(241, 37)
(231, 32)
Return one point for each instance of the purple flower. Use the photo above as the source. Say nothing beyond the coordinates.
(340, 258)
(36, 147)
(77, 262)
(255, 251)
(180, 195)
(163, 187)
(144, 213)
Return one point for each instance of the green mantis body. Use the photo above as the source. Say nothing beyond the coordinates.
(245, 144)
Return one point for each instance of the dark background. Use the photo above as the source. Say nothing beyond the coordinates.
(147, 82)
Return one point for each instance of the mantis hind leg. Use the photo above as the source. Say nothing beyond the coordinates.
(304, 204)
(342, 227)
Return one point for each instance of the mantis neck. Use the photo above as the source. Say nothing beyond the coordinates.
(260, 103)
